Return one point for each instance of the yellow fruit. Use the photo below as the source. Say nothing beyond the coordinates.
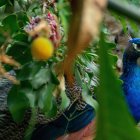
(41, 48)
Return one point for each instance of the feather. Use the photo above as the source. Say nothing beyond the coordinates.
(135, 40)
(131, 78)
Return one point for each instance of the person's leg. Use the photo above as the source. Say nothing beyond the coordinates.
(87, 133)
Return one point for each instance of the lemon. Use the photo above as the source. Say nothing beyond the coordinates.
(42, 48)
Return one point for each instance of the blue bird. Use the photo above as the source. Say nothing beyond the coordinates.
(131, 77)
(131, 88)
(79, 114)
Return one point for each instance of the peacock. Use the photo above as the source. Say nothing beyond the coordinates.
(79, 114)
(131, 84)
(131, 77)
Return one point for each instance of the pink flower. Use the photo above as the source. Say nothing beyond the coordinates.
(51, 19)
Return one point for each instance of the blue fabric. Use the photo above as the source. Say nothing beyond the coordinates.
(135, 40)
(77, 121)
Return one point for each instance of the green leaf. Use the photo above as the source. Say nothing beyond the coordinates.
(29, 70)
(113, 59)
(22, 19)
(11, 2)
(10, 24)
(52, 113)
(78, 77)
(114, 120)
(54, 78)
(42, 77)
(27, 89)
(20, 52)
(3, 2)
(65, 100)
(88, 97)
(110, 45)
(2, 38)
(31, 126)
(46, 97)
(18, 103)
(21, 37)
(64, 14)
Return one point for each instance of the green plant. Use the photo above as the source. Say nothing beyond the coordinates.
(39, 80)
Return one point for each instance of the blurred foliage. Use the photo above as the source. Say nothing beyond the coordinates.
(38, 80)
(134, 2)
(114, 121)
(125, 21)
